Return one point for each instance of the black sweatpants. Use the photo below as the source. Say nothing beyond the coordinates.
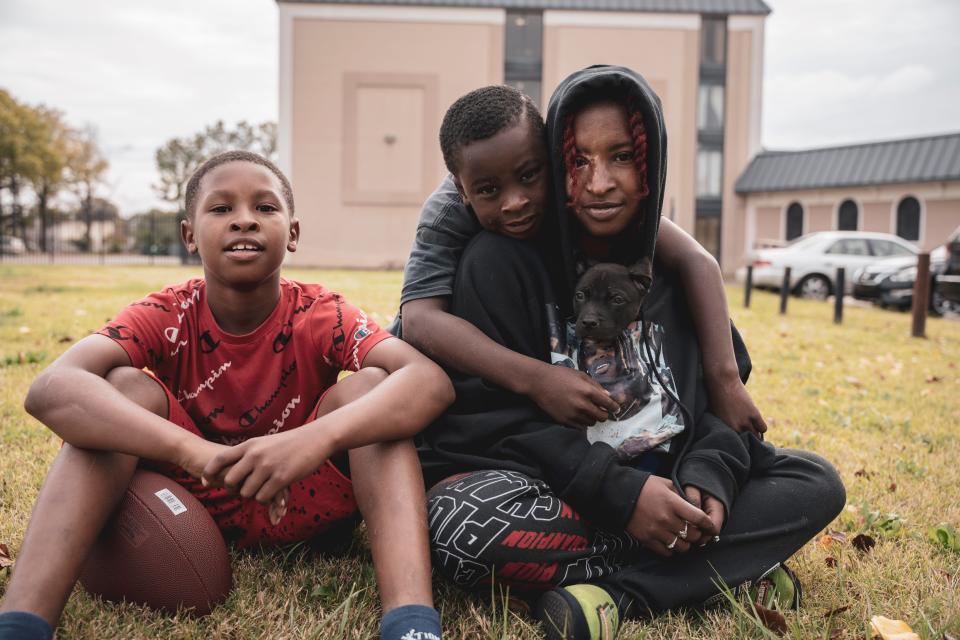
(497, 523)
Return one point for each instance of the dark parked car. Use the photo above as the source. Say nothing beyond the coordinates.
(947, 284)
(890, 283)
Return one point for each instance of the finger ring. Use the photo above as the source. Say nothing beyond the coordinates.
(683, 533)
(674, 543)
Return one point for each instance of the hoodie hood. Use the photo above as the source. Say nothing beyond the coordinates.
(577, 90)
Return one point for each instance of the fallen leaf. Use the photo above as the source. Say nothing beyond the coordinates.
(5, 559)
(892, 487)
(830, 561)
(932, 379)
(65, 339)
(863, 542)
(836, 634)
(831, 537)
(862, 473)
(888, 629)
(837, 611)
(772, 620)
(945, 536)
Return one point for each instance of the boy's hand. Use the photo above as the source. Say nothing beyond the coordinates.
(711, 506)
(196, 453)
(731, 402)
(260, 468)
(662, 514)
(571, 397)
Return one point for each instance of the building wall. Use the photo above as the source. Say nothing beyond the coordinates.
(741, 140)
(363, 91)
(939, 210)
(664, 49)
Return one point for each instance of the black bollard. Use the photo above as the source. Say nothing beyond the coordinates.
(748, 287)
(838, 296)
(921, 296)
(785, 291)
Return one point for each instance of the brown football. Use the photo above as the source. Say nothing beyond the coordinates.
(160, 548)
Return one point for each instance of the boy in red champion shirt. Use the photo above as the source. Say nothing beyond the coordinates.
(240, 357)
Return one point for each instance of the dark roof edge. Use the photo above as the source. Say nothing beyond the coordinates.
(840, 185)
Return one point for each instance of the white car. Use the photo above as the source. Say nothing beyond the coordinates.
(814, 258)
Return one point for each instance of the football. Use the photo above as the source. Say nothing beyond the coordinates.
(160, 548)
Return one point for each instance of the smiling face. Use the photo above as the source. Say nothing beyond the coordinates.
(240, 225)
(605, 184)
(504, 179)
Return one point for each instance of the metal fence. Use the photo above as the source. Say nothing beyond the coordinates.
(150, 238)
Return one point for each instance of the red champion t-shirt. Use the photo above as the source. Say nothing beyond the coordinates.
(238, 387)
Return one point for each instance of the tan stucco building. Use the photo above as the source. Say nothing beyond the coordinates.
(907, 187)
(364, 86)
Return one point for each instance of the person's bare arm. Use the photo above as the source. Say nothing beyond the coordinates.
(703, 284)
(569, 397)
(414, 393)
(74, 400)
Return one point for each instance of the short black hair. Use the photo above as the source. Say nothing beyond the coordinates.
(482, 114)
(193, 185)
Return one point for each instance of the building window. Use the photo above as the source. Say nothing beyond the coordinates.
(709, 170)
(523, 59)
(794, 226)
(710, 109)
(847, 216)
(908, 219)
(713, 41)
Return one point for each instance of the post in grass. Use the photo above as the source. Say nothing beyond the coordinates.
(785, 291)
(748, 287)
(921, 296)
(838, 296)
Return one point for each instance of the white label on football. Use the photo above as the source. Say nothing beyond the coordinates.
(173, 502)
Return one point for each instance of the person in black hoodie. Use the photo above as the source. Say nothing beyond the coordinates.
(597, 537)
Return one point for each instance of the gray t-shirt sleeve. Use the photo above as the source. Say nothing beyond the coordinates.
(445, 228)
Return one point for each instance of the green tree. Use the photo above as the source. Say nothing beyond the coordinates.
(86, 168)
(54, 150)
(21, 136)
(155, 232)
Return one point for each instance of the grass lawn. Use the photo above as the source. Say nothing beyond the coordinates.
(882, 406)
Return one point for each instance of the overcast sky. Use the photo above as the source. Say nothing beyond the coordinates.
(143, 71)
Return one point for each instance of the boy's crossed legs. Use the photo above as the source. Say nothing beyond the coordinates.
(84, 486)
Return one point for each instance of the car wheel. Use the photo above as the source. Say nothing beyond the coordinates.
(814, 287)
(941, 306)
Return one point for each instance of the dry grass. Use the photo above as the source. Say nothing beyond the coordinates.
(882, 406)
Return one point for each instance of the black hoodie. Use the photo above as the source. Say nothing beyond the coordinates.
(488, 428)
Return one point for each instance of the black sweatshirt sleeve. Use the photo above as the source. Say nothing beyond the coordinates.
(717, 462)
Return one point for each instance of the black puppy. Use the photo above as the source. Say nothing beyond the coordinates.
(608, 298)
(606, 301)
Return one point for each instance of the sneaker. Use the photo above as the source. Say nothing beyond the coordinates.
(578, 612)
(777, 589)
